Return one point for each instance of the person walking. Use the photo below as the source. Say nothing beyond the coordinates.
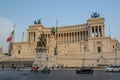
(18, 67)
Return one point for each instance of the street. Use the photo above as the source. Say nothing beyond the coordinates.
(58, 75)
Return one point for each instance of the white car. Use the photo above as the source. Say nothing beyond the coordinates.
(113, 68)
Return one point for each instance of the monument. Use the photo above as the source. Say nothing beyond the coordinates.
(41, 54)
(70, 45)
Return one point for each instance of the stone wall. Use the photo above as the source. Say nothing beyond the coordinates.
(1, 51)
(74, 54)
(23, 50)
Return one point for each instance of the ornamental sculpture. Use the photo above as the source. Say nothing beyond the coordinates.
(37, 21)
(41, 44)
(95, 15)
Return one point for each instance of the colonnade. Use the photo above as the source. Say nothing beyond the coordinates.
(69, 37)
(32, 37)
(96, 31)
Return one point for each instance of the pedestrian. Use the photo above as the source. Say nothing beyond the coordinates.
(14, 67)
(18, 67)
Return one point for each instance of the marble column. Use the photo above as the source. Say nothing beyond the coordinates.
(84, 34)
(94, 31)
(98, 31)
(71, 37)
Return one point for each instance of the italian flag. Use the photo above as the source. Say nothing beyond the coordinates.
(9, 39)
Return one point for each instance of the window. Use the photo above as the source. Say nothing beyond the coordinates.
(99, 49)
(113, 47)
(18, 51)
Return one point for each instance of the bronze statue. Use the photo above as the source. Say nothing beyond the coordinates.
(42, 41)
(95, 15)
(37, 21)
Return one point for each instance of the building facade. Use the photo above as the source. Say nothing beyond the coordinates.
(71, 46)
(1, 52)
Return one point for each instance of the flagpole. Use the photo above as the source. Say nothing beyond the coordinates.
(14, 34)
(10, 39)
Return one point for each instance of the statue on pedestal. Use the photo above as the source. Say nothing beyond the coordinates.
(41, 44)
(41, 55)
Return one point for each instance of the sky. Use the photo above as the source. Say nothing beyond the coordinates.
(22, 13)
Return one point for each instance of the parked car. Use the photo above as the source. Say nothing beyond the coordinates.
(84, 70)
(112, 68)
(45, 70)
